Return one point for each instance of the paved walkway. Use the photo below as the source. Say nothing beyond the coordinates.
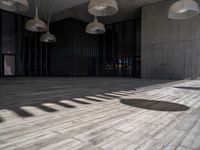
(99, 114)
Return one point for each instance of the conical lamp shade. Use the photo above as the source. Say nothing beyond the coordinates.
(14, 5)
(183, 9)
(95, 27)
(48, 38)
(103, 7)
(36, 25)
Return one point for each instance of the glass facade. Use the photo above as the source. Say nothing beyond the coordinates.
(117, 53)
(21, 52)
(8, 46)
(122, 49)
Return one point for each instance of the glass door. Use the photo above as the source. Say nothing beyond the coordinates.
(8, 65)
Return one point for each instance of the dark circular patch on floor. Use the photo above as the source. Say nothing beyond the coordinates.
(187, 88)
(154, 105)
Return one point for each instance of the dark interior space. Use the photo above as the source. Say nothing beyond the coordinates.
(31, 57)
(75, 54)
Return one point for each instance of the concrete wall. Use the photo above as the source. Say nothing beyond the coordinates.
(170, 48)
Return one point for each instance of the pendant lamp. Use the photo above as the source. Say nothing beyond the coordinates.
(183, 9)
(14, 5)
(35, 24)
(95, 27)
(103, 7)
(48, 37)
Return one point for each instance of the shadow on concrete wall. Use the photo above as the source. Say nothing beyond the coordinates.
(154, 105)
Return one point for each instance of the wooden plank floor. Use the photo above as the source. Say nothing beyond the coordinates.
(99, 114)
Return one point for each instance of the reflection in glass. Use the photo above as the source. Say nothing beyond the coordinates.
(120, 67)
(9, 65)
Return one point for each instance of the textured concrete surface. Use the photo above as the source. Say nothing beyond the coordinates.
(128, 9)
(170, 48)
(78, 9)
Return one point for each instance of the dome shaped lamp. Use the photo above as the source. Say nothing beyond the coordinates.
(14, 5)
(35, 24)
(48, 37)
(103, 7)
(95, 27)
(183, 9)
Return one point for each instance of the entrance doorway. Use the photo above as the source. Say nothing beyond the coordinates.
(8, 65)
(92, 67)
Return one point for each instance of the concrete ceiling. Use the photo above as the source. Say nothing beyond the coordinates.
(128, 9)
(58, 6)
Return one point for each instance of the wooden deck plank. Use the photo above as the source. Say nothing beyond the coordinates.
(83, 113)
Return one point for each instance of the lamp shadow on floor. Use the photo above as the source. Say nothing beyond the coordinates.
(21, 112)
(24, 113)
(187, 88)
(1, 120)
(154, 105)
(29, 96)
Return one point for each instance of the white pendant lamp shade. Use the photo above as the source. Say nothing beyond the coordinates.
(103, 7)
(36, 25)
(183, 9)
(95, 27)
(14, 5)
(48, 38)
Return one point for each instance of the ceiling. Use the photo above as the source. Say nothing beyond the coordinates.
(58, 5)
(128, 9)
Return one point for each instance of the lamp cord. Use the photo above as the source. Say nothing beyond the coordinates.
(37, 4)
(50, 12)
(47, 16)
